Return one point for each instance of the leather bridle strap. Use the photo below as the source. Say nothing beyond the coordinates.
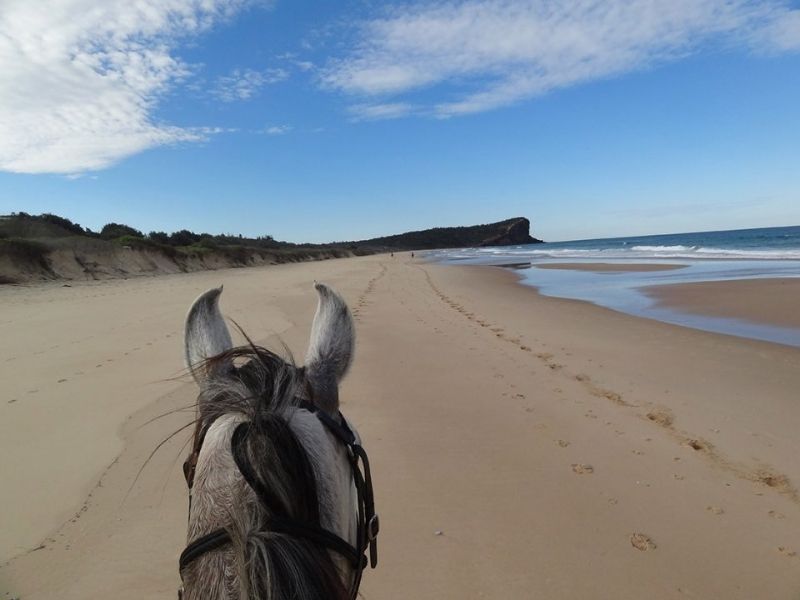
(205, 543)
(368, 523)
(280, 522)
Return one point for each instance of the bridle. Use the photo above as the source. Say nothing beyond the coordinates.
(368, 523)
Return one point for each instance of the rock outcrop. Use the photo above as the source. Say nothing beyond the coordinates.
(510, 232)
(517, 233)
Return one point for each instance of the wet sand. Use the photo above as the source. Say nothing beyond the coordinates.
(610, 267)
(767, 301)
(561, 450)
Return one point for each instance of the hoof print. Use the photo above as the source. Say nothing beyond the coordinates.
(642, 542)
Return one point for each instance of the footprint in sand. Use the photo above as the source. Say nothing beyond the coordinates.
(715, 510)
(562, 443)
(582, 469)
(61, 380)
(786, 551)
(700, 445)
(642, 542)
(774, 480)
(661, 417)
(776, 515)
(608, 395)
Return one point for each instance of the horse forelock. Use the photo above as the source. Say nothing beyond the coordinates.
(294, 458)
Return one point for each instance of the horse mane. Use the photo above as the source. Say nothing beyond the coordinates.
(270, 565)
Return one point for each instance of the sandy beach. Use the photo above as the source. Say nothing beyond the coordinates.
(522, 446)
(767, 301)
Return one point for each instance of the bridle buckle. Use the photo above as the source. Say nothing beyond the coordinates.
(373, 527)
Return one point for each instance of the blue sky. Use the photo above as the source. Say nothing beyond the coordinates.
(314, 121)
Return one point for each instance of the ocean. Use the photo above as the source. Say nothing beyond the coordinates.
(709, 256)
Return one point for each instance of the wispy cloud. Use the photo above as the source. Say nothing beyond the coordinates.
(781, 34)
(492, 53)
(244, 84)
(79, 80)
(278, 129)
(376, 112)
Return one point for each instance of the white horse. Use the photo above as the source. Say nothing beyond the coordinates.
(280, 499)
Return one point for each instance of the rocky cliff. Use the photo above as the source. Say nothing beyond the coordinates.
(517, 232)
(503, 233)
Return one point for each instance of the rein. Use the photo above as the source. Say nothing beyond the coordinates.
(368, 523)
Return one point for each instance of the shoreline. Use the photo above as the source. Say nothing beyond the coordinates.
(605, 267)
(482, 404)
(752, 301)
(772, 301)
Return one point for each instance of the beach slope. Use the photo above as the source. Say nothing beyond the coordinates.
(521, 446)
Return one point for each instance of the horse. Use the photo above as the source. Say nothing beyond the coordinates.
(280, 490)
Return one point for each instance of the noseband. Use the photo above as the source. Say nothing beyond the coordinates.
(367, 525)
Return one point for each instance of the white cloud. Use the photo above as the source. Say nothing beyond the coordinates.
(79, 79)
(243, 84)
(781, 34)
(375, 112)
(278, 129)
(493, 53)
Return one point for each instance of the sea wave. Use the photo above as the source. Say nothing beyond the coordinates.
(634, 252)
(663, 248)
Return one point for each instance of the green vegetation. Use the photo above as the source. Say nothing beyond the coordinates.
(23, 225)
(28, 251)
(43, 227)
(27, 240)
(112, 231)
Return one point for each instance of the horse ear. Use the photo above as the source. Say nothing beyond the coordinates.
(206, 334)
(330, 350)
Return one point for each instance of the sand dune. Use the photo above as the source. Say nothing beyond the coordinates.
(522, 446)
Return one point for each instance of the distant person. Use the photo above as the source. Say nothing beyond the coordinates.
(412, 255)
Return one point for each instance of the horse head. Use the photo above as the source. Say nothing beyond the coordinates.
(280, 500)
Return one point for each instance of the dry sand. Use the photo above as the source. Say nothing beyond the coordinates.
(610, 267)
(561, 449)
(767, 301)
